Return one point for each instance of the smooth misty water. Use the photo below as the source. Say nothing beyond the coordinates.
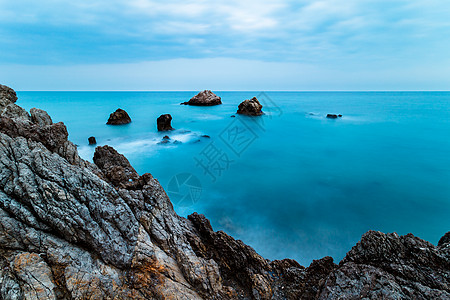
(299, 185)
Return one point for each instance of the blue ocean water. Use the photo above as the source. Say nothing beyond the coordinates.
(291, 183)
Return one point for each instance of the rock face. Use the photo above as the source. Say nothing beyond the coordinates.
(250, 107)
(119, 117)
(70, 229)
(164, 122)
(205, 98)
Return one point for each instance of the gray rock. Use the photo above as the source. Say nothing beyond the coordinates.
(40, 117)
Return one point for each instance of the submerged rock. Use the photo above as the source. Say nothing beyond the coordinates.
(164, 122)
(250, 107)
(119, 117)
(70, 229)
(92, 140)
(205, 98)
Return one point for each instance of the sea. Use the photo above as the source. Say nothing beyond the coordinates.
(291, 183)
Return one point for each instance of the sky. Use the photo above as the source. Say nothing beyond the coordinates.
(225, 45)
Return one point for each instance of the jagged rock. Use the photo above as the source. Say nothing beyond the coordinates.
(92, 140)
(205, 98)
(163, 122)
(119, 117)
(7, 95)
(444, 240)
(250, 107)
(70, 229)
(40, 117)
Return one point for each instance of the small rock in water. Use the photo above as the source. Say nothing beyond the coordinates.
(340, 116)
(250, 107)
(206, 136)
(163, 122)
(92, 140)
(233, 116)
(205, 98)
(119, 117)
(166, 137)
(332, 116)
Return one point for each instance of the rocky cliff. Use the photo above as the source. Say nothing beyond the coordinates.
(70, 229)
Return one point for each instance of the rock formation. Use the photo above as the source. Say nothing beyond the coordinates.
(250, 107)
(119, 117)
(164, 122)
(70, 229)
(205, 98)
(333, 116)
(92, 140)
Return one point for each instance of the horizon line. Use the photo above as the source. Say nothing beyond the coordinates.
(259, 91)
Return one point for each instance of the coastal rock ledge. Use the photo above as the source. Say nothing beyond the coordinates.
(70, 229)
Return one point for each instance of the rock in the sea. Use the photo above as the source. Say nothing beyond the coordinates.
(164, 122)
(92, 140)
(119, 117)
(166, 137)
(332, 116)
(205, 98)
(70, 229)
(250, 107)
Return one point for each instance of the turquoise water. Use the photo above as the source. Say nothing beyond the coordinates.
(290, 183)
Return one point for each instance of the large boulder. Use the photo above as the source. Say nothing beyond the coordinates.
(163, 122)
(205, 98)
(119, 117)
(250, 107)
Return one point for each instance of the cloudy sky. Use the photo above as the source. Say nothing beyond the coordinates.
(225, 45)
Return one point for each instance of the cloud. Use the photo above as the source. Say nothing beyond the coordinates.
(331, 34)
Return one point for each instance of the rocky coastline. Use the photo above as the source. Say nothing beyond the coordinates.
(71, 229)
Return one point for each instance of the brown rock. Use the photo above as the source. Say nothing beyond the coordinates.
(119, 117)
(205, 98)
(250, 107)
(164, 122)
(92, 140)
